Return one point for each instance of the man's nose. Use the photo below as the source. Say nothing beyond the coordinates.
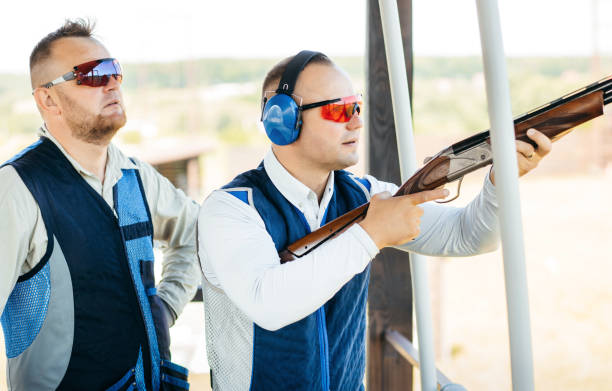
(355, 122)
(113, 84)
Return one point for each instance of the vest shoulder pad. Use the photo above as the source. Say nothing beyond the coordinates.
(244, 194)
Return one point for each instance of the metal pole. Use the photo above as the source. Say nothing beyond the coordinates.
(506, 185)
(402, 113)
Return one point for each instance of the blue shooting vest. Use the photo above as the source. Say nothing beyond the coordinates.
(325, 350)
(83, 317)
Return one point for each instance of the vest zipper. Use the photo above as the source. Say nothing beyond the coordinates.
(323, 348)
(324, 331)
(321, 324)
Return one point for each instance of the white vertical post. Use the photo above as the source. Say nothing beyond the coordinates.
(506, 181)
(402, 113)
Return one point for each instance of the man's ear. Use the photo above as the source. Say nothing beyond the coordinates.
(46, 102)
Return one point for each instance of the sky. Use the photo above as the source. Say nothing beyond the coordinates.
(155, 31)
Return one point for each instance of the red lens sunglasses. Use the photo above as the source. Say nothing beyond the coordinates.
(96, 73)
(339, 109)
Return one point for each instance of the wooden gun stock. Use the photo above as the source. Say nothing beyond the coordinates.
(555, 120)
(316, 238)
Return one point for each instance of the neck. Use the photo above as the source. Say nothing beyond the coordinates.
(91, 157)
(313, 176)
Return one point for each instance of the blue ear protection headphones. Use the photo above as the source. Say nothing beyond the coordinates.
(281, 115)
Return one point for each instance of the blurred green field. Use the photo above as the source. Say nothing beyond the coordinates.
(219, 98)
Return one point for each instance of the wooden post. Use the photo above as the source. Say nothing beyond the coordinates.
(390, 294)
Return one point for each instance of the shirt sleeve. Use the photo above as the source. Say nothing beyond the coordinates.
(448, 231)
(23, 238)
(174, 218)
(239, 256)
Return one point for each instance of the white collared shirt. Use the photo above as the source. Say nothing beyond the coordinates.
(238, 255)
(300, 195)
(23, 236)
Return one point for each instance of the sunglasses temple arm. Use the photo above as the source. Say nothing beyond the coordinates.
(263, 106)
(66, 77)
(298, 122)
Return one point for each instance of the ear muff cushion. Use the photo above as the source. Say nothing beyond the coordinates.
(279, 119)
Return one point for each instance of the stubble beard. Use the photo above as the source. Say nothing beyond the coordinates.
(92, 129)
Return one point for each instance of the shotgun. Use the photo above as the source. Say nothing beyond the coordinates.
(555, 119)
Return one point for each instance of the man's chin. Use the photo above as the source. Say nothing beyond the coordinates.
(347, 162)
(104, 131)
(112, 124)
(120, 123)
(116, 118)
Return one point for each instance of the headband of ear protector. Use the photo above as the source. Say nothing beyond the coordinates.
(281, 115)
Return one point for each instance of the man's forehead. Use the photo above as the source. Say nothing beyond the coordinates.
(71, 51)
(323, 81)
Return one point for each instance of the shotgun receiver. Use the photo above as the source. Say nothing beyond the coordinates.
(554, 119)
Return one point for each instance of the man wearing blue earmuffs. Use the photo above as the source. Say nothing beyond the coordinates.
(301, 325)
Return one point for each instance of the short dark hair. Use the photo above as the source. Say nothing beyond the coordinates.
(71, 28)
(277, 71)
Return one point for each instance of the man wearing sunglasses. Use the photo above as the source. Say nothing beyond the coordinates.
(80, 309)
(301, 325)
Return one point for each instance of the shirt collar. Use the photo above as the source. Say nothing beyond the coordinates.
(290, 187)
(116, 159)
